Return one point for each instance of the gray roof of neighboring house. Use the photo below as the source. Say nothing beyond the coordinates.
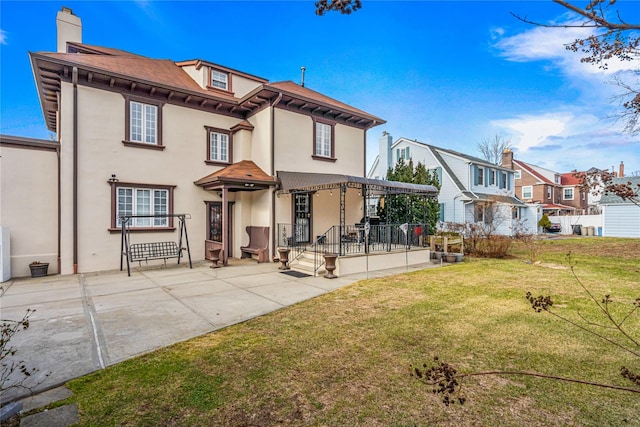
(612, 199)
(501, 198)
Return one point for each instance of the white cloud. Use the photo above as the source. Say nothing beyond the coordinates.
(531, 131)
(564, 141)
(3, 37)
(549, 44)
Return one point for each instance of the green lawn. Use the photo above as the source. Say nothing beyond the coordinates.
(343, 358)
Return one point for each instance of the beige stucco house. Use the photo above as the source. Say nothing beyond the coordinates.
(141, 136)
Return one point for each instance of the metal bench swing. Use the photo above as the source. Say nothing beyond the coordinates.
(152, 250)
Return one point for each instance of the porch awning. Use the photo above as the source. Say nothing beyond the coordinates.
(485, 197)
(241, 176)
(292, 182)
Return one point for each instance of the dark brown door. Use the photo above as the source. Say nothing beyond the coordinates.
(303, 217)
(214, 222)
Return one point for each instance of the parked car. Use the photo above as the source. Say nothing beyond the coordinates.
(554, 228)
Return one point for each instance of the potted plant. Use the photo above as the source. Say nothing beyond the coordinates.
(38, 269)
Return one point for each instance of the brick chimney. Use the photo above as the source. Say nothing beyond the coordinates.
(621, 174)
(69, 28)
(507, 159)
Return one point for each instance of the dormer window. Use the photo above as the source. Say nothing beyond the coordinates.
(219, 80)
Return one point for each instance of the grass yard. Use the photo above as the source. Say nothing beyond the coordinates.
(343, 359)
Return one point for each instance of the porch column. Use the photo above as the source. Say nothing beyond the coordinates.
(343, 193)
(225, 225)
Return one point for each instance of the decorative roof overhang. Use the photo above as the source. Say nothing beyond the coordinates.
(300, 182)
(50, 70)
(166, 82)
(242, 176)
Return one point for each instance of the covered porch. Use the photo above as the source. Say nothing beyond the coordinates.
(349, 230)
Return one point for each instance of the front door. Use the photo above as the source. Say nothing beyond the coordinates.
(302, 214)
(214, 222)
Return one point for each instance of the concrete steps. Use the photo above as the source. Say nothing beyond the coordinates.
(305, 264)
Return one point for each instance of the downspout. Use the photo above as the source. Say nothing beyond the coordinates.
(273, 174)
(74, 79)
(59, 206)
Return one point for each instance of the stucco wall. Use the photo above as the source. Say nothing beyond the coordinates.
(102, 153)
(29, 206)
(294, 146)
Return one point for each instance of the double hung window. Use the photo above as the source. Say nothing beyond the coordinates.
(144, 123)
(527, 192)
(567, 193)
(323, 146)
(219, 146)
(219, 80)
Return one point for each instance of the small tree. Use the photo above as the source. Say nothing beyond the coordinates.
(544, 222)
(400, 208)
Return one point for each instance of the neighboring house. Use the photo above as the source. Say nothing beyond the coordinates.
(471, 189)
(621, 218)
(558, 194)
(141, 136)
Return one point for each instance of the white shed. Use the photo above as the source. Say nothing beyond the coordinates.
(621, 218)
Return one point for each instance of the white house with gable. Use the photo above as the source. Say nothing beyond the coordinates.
(471, 189)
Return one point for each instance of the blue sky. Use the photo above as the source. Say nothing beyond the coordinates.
(450, 73)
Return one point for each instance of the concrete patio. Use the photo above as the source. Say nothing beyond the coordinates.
(86, 322)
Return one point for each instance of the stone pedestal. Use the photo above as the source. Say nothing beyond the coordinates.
(215, 257)
(330, 265)
(284, 258)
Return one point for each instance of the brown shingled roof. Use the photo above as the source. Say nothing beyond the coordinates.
(244, 171)
(304, 92)
(98, 50)
(159, 71)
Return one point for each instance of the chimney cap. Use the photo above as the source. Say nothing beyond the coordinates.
(66, 9)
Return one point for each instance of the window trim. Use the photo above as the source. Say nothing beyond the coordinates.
(114, 228)
(549, 193)
(564, 194)
(228, 90)
(332, 145)
(517, 174)
(530, 187)
(480, 176)
(127, 123)
(208, 160)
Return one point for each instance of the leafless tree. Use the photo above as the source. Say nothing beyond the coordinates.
(613, 38)
(491, 149)
(343, 6)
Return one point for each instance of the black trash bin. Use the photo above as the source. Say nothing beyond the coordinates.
(577, 229)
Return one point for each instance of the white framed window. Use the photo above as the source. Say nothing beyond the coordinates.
(548, 192)
(517, 174)
(219, 80)
(323, 146)
(142, 201)
(527, 192)
(567, 193)
(479, 176)
(143, 123)
(492, 177)
(219, 147)
(557, 179)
